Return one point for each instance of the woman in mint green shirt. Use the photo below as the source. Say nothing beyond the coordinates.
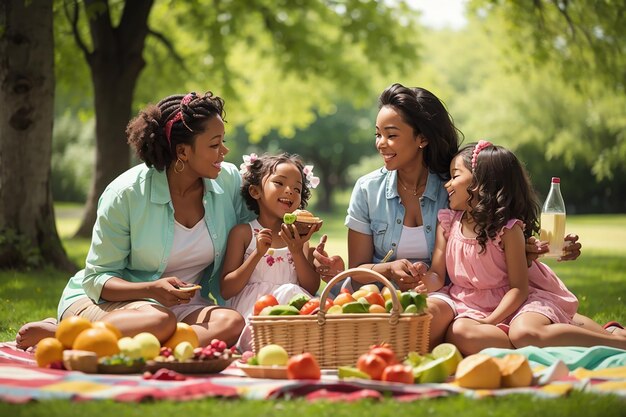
(162, 226)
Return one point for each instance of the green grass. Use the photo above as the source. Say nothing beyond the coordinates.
(598, 278)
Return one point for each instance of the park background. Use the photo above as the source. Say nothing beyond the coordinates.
(543, 78)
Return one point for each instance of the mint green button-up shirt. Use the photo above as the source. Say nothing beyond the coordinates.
(134, 230)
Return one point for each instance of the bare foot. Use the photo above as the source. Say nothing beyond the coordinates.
(31, 333)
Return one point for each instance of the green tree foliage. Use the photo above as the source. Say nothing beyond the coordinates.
(332, 143)
(584, 38)
(276, 63)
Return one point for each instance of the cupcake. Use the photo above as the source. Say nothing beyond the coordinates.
(302, 219)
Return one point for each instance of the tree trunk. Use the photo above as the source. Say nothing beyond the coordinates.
(28, 235)
(115, 64)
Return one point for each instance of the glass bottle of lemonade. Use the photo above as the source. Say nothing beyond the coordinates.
(553, 220)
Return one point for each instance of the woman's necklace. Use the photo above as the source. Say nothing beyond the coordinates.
(405, 188)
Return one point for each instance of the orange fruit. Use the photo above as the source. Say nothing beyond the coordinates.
(108, 326)
(183, 333)
(98, 340)
(48, 350)
(69, 328)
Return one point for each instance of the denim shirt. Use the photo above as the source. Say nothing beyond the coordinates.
(134, 231)
(375, 209)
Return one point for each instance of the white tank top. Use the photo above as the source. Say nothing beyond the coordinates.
(412, 245)
(192, 251)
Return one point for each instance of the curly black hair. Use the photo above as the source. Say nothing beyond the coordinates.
(427, 115)
(500, 191)
(146, 132)
(263, 166)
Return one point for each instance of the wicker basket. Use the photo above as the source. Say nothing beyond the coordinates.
(339, 339)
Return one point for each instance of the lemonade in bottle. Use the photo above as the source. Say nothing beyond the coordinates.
(553, 220)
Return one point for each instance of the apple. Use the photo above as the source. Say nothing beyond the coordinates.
(398, 373)
(303, 366)
(370, 288)
(129, 347)
(272, 355)
(183, 351)
(371, 364)
(150, 345)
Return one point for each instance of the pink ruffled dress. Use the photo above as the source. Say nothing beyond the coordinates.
(479, 281)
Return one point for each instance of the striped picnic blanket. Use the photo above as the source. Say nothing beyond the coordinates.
(22, 381)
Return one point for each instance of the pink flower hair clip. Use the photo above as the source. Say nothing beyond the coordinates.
(312, 179)
(248, 160)
(482, 144)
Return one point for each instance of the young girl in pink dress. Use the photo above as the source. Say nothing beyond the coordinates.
(266, 256)
(498, 300)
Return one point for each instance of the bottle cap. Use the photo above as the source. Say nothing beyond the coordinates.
(556, 180)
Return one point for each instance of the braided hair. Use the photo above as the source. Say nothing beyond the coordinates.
(155, 142)
(265, 165)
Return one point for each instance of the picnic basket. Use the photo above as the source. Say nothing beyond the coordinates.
(339, 339)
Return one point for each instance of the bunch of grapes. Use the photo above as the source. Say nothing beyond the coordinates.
(217, 349)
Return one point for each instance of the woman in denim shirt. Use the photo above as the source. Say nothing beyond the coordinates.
(161, 226)
(394, 209)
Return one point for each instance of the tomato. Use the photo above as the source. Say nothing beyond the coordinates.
(303, 366)
(372, 365)
(313, 305)
(386, 354)
(343, 298)
(265, 301)
(375, 298)
(398, 373)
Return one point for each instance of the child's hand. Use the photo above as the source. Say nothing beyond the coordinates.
(421, 288)
(263, 240)
(292, 238)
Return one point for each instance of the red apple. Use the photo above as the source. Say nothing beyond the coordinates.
(371, 364)
(398, 373)
(303, 366)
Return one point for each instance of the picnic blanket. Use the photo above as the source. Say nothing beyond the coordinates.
(22, 381)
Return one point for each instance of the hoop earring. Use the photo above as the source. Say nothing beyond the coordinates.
(179, 170)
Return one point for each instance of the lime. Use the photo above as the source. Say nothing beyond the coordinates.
(344, 372)
(431, 371)
(389, 305)
(450, 355)
(411, 309)
(406, 299)
(355, 307)
(419, 300)
(289, 218)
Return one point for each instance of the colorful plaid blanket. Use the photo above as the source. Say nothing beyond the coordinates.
(22, 381)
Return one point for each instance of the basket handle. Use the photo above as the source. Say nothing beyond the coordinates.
(360, 272)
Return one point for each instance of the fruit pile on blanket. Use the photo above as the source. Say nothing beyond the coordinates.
(81, 345)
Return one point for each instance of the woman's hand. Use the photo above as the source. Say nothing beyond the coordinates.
(571, 248)
(405, 274)
(165, 291)
(536, 247)
(327, 266)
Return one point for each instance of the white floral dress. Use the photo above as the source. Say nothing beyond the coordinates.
(274, 274)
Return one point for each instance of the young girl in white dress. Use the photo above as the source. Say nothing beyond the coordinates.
(266, 256)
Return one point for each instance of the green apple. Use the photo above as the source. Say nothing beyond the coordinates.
(183, 351)
(129, 347)
(272, 355)
(150, 345)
